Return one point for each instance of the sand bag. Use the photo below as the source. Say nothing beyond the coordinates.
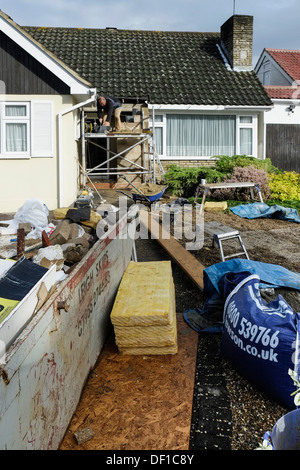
(261, 339)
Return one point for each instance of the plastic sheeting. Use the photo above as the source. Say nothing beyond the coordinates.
(262, 210)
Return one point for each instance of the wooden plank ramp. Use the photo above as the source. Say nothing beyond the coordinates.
(189, 264)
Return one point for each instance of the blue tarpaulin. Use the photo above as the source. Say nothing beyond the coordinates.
(262, 210)
(271, 275)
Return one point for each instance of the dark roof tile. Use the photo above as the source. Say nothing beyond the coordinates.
(165, 67)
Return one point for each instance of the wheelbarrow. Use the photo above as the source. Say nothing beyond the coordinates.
(138, 195)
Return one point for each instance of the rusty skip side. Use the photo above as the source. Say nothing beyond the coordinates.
(44, 371)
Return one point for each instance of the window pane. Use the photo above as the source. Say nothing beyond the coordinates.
(246, 119)
(16, 137)
(159, 140)
(200, 135)
(15, 110)
(246, 141)
(158, 118)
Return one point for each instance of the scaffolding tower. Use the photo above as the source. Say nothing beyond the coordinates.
(136, 134)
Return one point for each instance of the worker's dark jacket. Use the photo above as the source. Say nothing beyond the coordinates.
(111, 105)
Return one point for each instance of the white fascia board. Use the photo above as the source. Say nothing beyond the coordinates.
(260, 60)
(250, 108)
(285, 100)
(184, 107)
(28, 44)
(170, 107)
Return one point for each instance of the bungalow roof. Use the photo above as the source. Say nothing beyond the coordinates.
(164, 67)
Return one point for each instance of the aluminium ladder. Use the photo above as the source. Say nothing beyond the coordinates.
(222, 233)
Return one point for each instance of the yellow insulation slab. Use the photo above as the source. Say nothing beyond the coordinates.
(215, 206)
(144, 297)
(151, 350)
(140, 336)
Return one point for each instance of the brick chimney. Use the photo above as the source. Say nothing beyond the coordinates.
(237, 42)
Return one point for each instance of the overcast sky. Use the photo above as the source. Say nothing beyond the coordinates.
(276, 22)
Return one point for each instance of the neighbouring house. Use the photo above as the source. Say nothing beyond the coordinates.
(279, 72)
(199, 90)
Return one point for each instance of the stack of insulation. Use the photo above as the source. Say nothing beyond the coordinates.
(144, 312)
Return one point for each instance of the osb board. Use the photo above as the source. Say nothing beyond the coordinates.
(138, 402)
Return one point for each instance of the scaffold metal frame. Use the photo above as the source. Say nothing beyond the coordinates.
(147, 168)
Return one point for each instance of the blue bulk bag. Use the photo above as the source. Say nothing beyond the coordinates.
(260, 340)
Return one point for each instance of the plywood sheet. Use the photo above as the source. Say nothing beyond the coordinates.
(138, 402)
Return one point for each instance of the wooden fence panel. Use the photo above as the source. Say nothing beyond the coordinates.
(283, 146)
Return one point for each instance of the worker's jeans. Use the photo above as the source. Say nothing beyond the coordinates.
(117, 118)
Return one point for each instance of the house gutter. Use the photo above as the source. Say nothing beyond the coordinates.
(285, 100)
(93, 92)
(192, 107)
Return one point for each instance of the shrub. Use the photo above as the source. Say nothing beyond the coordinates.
(184, 181)
(226, 164)
(286, 186)
(244, 174)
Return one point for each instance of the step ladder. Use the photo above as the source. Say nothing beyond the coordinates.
(222, 233)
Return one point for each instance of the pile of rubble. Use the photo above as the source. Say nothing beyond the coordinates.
(62, 237)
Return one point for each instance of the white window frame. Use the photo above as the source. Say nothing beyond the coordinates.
(239, 125)
(36, 124)
(246, 125)
(14, 120)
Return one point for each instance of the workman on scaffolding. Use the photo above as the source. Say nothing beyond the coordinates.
(107, 107)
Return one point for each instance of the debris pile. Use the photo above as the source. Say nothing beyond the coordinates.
(64, 240)
(37, 241)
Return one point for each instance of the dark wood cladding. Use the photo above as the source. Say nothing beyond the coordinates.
(283, 146)
(23, 74)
